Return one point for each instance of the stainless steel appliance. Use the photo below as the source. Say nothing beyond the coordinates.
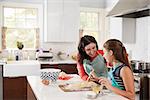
(45, 56)
(131, 8)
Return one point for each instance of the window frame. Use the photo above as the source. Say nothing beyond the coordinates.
(39, 7)
(91, 10)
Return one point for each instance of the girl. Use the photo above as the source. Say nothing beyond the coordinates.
(120, 74)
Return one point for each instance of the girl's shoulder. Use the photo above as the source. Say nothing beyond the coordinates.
(119, 69)
(125, 69)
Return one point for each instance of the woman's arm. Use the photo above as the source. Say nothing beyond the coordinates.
(81, 71)
(128, 81)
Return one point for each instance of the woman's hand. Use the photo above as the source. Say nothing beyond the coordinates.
(105, 82)
(92, 76)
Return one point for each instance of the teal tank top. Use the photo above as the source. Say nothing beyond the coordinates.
(114, 77)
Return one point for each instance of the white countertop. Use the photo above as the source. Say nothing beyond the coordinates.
(52, 91)
(69, 61)
(21, 68)
(2, 63)
(28, 67)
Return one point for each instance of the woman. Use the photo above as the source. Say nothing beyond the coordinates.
(90, 59)
(120, 75)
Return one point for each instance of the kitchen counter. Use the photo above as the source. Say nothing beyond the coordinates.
(28, 67)
(52, 91)
(21, 68)
(69, 61)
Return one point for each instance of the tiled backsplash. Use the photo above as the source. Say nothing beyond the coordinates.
(26, 55)
(11, 54)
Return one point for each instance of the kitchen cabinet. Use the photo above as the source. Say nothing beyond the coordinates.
(15, 88)
(30, 93)
(123, 29)
(67, 68)
(1, 82)
(21, 68)
(61, 20)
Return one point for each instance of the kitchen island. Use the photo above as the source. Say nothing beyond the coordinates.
(15, 72)
(14, 78)
(52, 91)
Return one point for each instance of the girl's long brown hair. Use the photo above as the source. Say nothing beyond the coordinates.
(118, 49)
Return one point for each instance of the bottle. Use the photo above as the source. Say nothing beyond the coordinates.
(17, 57)
(36, 54)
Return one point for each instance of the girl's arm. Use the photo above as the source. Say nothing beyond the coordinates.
(128, 81)
(82, 72)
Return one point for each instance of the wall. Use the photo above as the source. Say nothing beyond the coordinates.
(83, 3)
(149, 39)
(92, 3)
(0, 26)
(24, 1)
(136, 43)
(140, 50)
(67, 47)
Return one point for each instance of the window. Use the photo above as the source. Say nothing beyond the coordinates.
(89, 23)
(20, 24)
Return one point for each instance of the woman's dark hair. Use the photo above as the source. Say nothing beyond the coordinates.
(118, 49)
(84, 41)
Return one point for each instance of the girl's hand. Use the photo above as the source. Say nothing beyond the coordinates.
(105, 82)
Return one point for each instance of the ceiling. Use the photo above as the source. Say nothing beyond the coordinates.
(83, 3)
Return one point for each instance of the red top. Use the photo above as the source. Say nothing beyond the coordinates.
(81, 70)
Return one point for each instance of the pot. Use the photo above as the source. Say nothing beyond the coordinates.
(146, 66)
(139, 66)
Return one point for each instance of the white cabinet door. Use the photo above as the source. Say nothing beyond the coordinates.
(115, 28)
(123, 29)
(62, 20)
(71, 20)
(53, 20)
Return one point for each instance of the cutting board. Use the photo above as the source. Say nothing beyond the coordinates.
(65, 89)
